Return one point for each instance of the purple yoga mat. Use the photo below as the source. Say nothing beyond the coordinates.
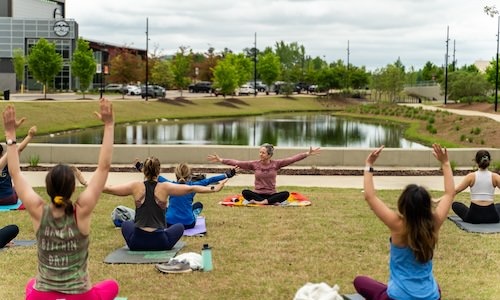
(199, 229)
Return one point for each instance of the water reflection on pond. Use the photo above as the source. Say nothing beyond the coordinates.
(286, 130)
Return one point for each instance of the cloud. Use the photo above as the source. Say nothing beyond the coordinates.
(378, 31)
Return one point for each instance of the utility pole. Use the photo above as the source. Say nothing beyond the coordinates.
(255, 66)
(446, 65)
(347, 77)
(147, 58)
(496, 71)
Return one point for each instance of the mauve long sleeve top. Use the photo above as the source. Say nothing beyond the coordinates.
(265, 174)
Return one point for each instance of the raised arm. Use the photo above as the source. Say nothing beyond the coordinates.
(442, 209)
(381, 210)
(89, 197)
(31, 200)
(182, 189)
(245, 165)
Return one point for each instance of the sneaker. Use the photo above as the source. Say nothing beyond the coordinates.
(197, 212)
(174, 266)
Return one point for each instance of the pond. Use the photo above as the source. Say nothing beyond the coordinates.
(284, 130)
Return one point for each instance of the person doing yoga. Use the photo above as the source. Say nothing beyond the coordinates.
(414, 229)
(62, 227)
(265, 172)
(149, 231)
(482, 185)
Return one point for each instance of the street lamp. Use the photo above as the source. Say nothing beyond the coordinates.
(496, 71)
(147, 58)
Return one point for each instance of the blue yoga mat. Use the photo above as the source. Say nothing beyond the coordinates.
(199, 229)
(11, 207)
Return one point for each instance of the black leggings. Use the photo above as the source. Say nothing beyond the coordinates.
(7, 234)
(271, 199)
(477, 214)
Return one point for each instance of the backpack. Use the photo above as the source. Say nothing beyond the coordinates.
(121, 214)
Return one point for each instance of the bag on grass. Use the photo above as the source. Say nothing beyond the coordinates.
(121, 214)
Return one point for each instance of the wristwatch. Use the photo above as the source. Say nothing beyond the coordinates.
(11, 142)
(369, 169)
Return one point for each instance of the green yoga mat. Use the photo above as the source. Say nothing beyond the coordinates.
(125, 256)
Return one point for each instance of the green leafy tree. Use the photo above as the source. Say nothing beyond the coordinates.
(181, 67)
(44, 63)
(491, 72)
(292, 58)
(465, 85)
(162, 74)
(268, 66)
(243, 65)
(83, 65)
(389, 81)
(432, 72)
(225, 77)
(19, 61)
(231, 72)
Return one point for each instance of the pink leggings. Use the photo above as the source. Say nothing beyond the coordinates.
(104, 290)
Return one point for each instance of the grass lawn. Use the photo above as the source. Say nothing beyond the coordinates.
(270, 252)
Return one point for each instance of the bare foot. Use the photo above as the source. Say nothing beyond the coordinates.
(79, 175)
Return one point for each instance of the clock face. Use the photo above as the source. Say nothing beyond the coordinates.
(61, 28)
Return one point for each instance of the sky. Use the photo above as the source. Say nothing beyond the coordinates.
(370, 33)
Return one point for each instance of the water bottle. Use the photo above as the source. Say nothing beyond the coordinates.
(206, 255)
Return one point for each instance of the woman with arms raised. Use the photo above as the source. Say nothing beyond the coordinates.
(62, 227)
(414, 229)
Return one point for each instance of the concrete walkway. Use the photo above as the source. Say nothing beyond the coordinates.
(462, 112)
(37, 179)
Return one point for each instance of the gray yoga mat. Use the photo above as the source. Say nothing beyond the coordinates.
(475, 228)
(125, 256)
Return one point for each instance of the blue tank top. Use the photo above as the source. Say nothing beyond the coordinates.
(408, 278)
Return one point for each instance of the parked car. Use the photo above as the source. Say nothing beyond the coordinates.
(259, 86)
(113, 87)
(313, 88)
(201, 87)
(131, 90)
(246, 90)
(154, 91)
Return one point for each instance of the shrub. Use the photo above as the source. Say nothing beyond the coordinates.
(34, 160)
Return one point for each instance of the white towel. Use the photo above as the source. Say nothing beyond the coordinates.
(318, 291)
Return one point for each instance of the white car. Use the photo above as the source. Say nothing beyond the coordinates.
(246, 90)
(132, 90)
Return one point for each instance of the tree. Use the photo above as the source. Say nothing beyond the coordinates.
(389, 80)
(243, 66)
(268, 66)
(491, 10)
(83, 65)
(432, 72)
(181, 66)
(466, 85)
(125, 67)
(161, 73)
(44, 63)
(491, 72)
(19, 61)
(225, 77)
(292, 58)
(231, 72)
